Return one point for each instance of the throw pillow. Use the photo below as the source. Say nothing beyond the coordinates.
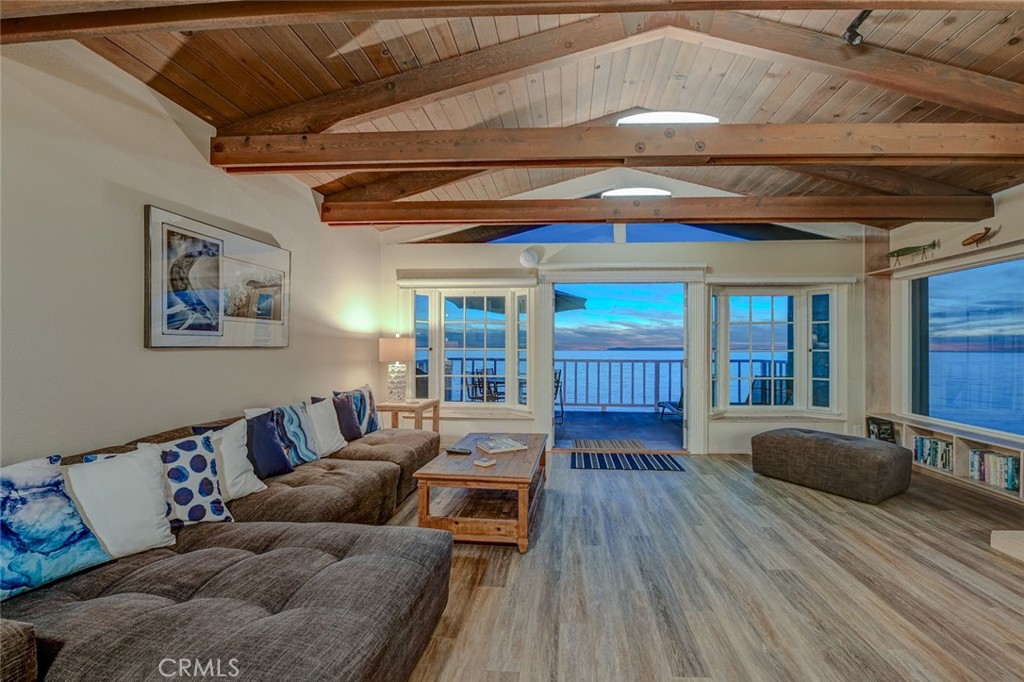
(237, 478)
(296, 431)
(325, 427)
(348, 422)
(265, 450)
(122, 500)
(190, 478)
(365, 407)
(42, 535)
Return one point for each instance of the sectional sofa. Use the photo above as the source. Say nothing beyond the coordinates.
(300, 587)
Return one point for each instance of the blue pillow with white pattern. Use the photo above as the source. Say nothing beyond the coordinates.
(42, 535)
(365, 407)
(190, 479)
(296, 431)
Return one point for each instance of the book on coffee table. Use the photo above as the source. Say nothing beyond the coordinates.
(495, 445)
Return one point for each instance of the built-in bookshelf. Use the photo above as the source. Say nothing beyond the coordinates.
(990, 464)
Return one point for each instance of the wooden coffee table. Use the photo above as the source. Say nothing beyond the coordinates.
(484, 509)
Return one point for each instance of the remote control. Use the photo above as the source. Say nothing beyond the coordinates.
(459, 451)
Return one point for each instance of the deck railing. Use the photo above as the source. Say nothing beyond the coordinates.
(621, 383)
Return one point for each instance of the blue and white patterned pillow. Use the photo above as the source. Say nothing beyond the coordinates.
(42, 535)
(296, 431)
(190, 479)
(365, 407)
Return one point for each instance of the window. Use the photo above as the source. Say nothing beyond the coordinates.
(761, 344)
(421, 325)
(821, 350)
(472, 346)
(522, 342)
(757, 349)
(714, 350)
(967, 346)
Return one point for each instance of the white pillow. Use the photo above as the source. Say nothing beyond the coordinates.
(256, 411)
(325, 427)
(122, 500)
(237, 477)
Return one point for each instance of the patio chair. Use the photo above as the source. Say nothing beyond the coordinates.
(670, 408)
(559, 392)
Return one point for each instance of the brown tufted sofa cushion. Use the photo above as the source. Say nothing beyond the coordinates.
(317, 601)
(325, 490)
(408, 448)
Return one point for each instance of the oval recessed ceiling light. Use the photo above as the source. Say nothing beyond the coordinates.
(636, 192)
(666, 117)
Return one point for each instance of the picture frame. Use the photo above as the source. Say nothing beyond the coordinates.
(208, 287)
(881, 429)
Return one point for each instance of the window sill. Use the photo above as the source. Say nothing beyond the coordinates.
(775, 415)
(452, 413)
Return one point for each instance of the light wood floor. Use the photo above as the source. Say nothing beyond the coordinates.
(718, 574)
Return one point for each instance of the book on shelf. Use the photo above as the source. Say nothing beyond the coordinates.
(495, 445)
(995, 469)
(933, 452)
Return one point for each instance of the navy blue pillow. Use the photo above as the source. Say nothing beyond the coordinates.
(265, 450)
(348, 420)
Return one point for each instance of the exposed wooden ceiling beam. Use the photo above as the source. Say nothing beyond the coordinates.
(396, 186)
(699, 210)
(93, 19)
(889, 144)
(449, 78)
(877, 66)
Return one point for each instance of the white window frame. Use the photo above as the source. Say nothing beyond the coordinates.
(435, 376)
(903, 336)
(801, 354)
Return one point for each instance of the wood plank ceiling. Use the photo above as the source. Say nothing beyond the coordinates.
(229, 76)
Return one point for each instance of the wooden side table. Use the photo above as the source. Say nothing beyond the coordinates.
(416, 408)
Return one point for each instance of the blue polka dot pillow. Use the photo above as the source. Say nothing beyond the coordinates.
(190, 479)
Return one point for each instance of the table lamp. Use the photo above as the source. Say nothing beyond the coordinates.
(396, 352)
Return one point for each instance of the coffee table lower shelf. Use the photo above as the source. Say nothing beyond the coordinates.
(477, 512)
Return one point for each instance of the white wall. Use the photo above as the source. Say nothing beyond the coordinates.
(85, 148)
(752, 261)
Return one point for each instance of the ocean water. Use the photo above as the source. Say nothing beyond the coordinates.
(632, 379)
(981, 389)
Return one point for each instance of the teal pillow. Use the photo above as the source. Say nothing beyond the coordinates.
(42, 535)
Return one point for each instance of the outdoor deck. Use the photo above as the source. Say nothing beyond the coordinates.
(645, 426)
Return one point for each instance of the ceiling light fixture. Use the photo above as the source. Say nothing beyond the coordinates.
(666, 118)
(852, 35)
(636, 192)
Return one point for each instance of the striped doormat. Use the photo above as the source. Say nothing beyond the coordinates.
(585, 445)
(625, 461)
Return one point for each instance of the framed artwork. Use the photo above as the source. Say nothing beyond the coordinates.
(207, 287)
(881, 429)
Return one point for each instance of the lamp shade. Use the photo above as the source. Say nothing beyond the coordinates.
(397, 349)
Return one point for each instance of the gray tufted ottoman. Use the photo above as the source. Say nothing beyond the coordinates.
(859, 468)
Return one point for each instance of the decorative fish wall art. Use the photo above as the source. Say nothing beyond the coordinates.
(922, 249)
(978, 237)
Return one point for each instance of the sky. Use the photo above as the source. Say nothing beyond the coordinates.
(577, 233)
(631, 315)
(994, 297)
